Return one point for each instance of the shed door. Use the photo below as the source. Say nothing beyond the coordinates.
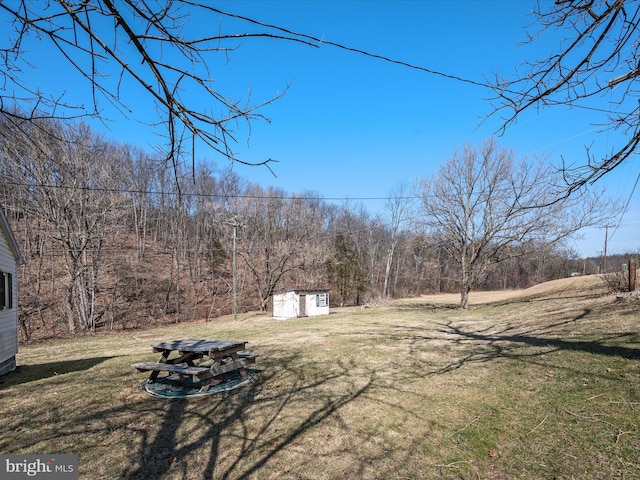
(303, 305)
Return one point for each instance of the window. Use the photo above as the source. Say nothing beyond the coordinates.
(322, 300)
(6, 290)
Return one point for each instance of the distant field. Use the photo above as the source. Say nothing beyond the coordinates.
(585, 285)
(541, 383)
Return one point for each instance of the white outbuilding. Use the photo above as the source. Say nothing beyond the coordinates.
(300, 303)
(10, 258)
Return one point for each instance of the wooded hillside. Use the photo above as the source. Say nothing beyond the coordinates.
(114, 239)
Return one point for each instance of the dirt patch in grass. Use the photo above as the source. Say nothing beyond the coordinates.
(543, 384)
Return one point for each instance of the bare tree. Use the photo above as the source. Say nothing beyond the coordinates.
(70, 175)
(149, 47)
(484, 203)
(397, 206)
(344, 269)
(599, 55)
(140, 168)
(355, 262)
(129, 45)
(277, 239)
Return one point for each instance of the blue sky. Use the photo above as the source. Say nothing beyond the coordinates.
(352, 126)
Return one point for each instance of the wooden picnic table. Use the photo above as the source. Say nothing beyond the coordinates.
(203, 360)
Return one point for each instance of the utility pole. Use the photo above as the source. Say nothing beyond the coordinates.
(235, 274)
(235, 226)
(606, 238)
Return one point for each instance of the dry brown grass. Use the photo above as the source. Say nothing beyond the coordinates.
(542, 383)
(591, 284)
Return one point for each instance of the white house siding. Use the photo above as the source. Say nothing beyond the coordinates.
(285, 305)
(313, 308)
(9, 258)
(290, 304)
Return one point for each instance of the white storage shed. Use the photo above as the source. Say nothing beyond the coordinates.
(10, 258)
(300, 303)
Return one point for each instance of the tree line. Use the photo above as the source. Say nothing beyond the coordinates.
(117, 237)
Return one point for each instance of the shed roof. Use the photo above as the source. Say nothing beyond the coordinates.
(13, 245)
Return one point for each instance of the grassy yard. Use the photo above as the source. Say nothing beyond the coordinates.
(542, 384)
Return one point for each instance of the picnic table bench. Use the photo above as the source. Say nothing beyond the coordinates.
(202, 360)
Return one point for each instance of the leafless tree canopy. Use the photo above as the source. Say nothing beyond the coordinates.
(487, 207)
(129, 45)
(151, 48)
(597, 59)
(112, 244)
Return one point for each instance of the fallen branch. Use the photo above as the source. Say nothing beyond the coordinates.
(539, 425)
(596, 419)
(475, 419)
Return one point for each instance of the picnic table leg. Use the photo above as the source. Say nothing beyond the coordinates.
(242, 371)
(155, 373)
(208, 381)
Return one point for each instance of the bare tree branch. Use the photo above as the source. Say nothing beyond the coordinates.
(487, 207)
(95, 39)
(600, 39)
(148, 45)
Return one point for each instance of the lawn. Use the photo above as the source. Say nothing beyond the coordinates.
(543, 383)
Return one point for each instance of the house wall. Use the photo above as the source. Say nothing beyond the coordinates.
(8, 316)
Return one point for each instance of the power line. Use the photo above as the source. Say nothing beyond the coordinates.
(318, 42)
(182, 193)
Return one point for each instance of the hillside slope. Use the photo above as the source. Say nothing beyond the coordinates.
(589, 284)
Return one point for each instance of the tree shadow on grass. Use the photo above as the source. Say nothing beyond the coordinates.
(449, 346)
(488, 345)
(545, 297)
(119, 432)
(248, 419)
(31, 373)
(426, 306)
(598, 347)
